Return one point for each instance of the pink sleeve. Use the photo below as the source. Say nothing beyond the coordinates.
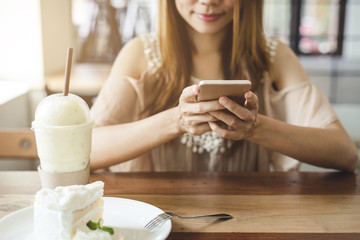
(303, 104)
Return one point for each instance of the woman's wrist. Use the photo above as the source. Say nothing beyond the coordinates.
(175, 119)
(256, 131)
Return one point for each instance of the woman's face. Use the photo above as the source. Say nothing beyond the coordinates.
(206, 16)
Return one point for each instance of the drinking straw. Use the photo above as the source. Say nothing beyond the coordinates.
(68, 71)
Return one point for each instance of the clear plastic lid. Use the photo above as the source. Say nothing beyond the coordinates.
(60, 110)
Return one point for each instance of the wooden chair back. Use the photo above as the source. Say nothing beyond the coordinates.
(17, 144)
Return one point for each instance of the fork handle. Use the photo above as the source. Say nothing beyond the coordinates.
(221, 216)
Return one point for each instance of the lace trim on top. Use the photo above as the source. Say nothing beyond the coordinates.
(209, 141)
(272, 45)
(152, 50)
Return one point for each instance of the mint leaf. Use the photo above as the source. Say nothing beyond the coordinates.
(99, 223)
(92, 225)
(108, 229)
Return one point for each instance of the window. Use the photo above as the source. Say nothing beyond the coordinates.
(310, 27)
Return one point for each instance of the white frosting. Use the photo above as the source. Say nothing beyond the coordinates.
(69, 198)
(54, 209)
(50, 224)
(56, 225)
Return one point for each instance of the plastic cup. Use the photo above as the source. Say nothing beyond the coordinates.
(63, 144)
(63, 148)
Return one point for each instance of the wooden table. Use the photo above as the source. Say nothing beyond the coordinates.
(264, 205)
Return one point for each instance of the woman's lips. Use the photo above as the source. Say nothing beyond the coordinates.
(208, 17)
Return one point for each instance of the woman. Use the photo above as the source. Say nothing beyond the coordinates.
(147, 110)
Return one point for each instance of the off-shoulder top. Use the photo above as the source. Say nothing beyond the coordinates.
(125, 99)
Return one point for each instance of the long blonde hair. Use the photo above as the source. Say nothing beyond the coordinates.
(244, 51)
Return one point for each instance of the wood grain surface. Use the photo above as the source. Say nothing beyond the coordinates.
(257, 183)
(267, 205)
(264, 213)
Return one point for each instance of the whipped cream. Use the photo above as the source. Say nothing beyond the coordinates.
(69, 198)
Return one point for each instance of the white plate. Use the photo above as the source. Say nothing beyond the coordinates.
(127, 216)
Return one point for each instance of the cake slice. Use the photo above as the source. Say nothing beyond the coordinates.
(59, 212)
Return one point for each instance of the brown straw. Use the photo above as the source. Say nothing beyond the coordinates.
(68, 71)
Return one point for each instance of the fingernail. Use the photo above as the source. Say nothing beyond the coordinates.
(223, 100)
(249, 95)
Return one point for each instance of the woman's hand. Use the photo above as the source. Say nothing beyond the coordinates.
(194, 116)
(241, 122)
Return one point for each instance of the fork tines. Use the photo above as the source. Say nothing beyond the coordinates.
(157, 221)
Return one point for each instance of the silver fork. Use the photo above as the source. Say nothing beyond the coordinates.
(161, 218)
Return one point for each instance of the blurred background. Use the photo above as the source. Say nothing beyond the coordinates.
(35, 35)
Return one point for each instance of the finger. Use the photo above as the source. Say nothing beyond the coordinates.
(251, 101)
(199, 129)
(239, 111)
(229, 119)
(220, 115)
(222, 132)
(191, 120)
(202, 107)
(189, 94)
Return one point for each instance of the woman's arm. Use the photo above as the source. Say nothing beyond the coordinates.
(114, 144)
(329, 147)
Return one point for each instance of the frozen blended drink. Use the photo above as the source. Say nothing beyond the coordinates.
(63, 133)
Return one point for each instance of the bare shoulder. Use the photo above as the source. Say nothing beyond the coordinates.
(131, 60)
(286, 68)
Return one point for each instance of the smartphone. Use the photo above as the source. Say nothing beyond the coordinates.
(213, 89)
